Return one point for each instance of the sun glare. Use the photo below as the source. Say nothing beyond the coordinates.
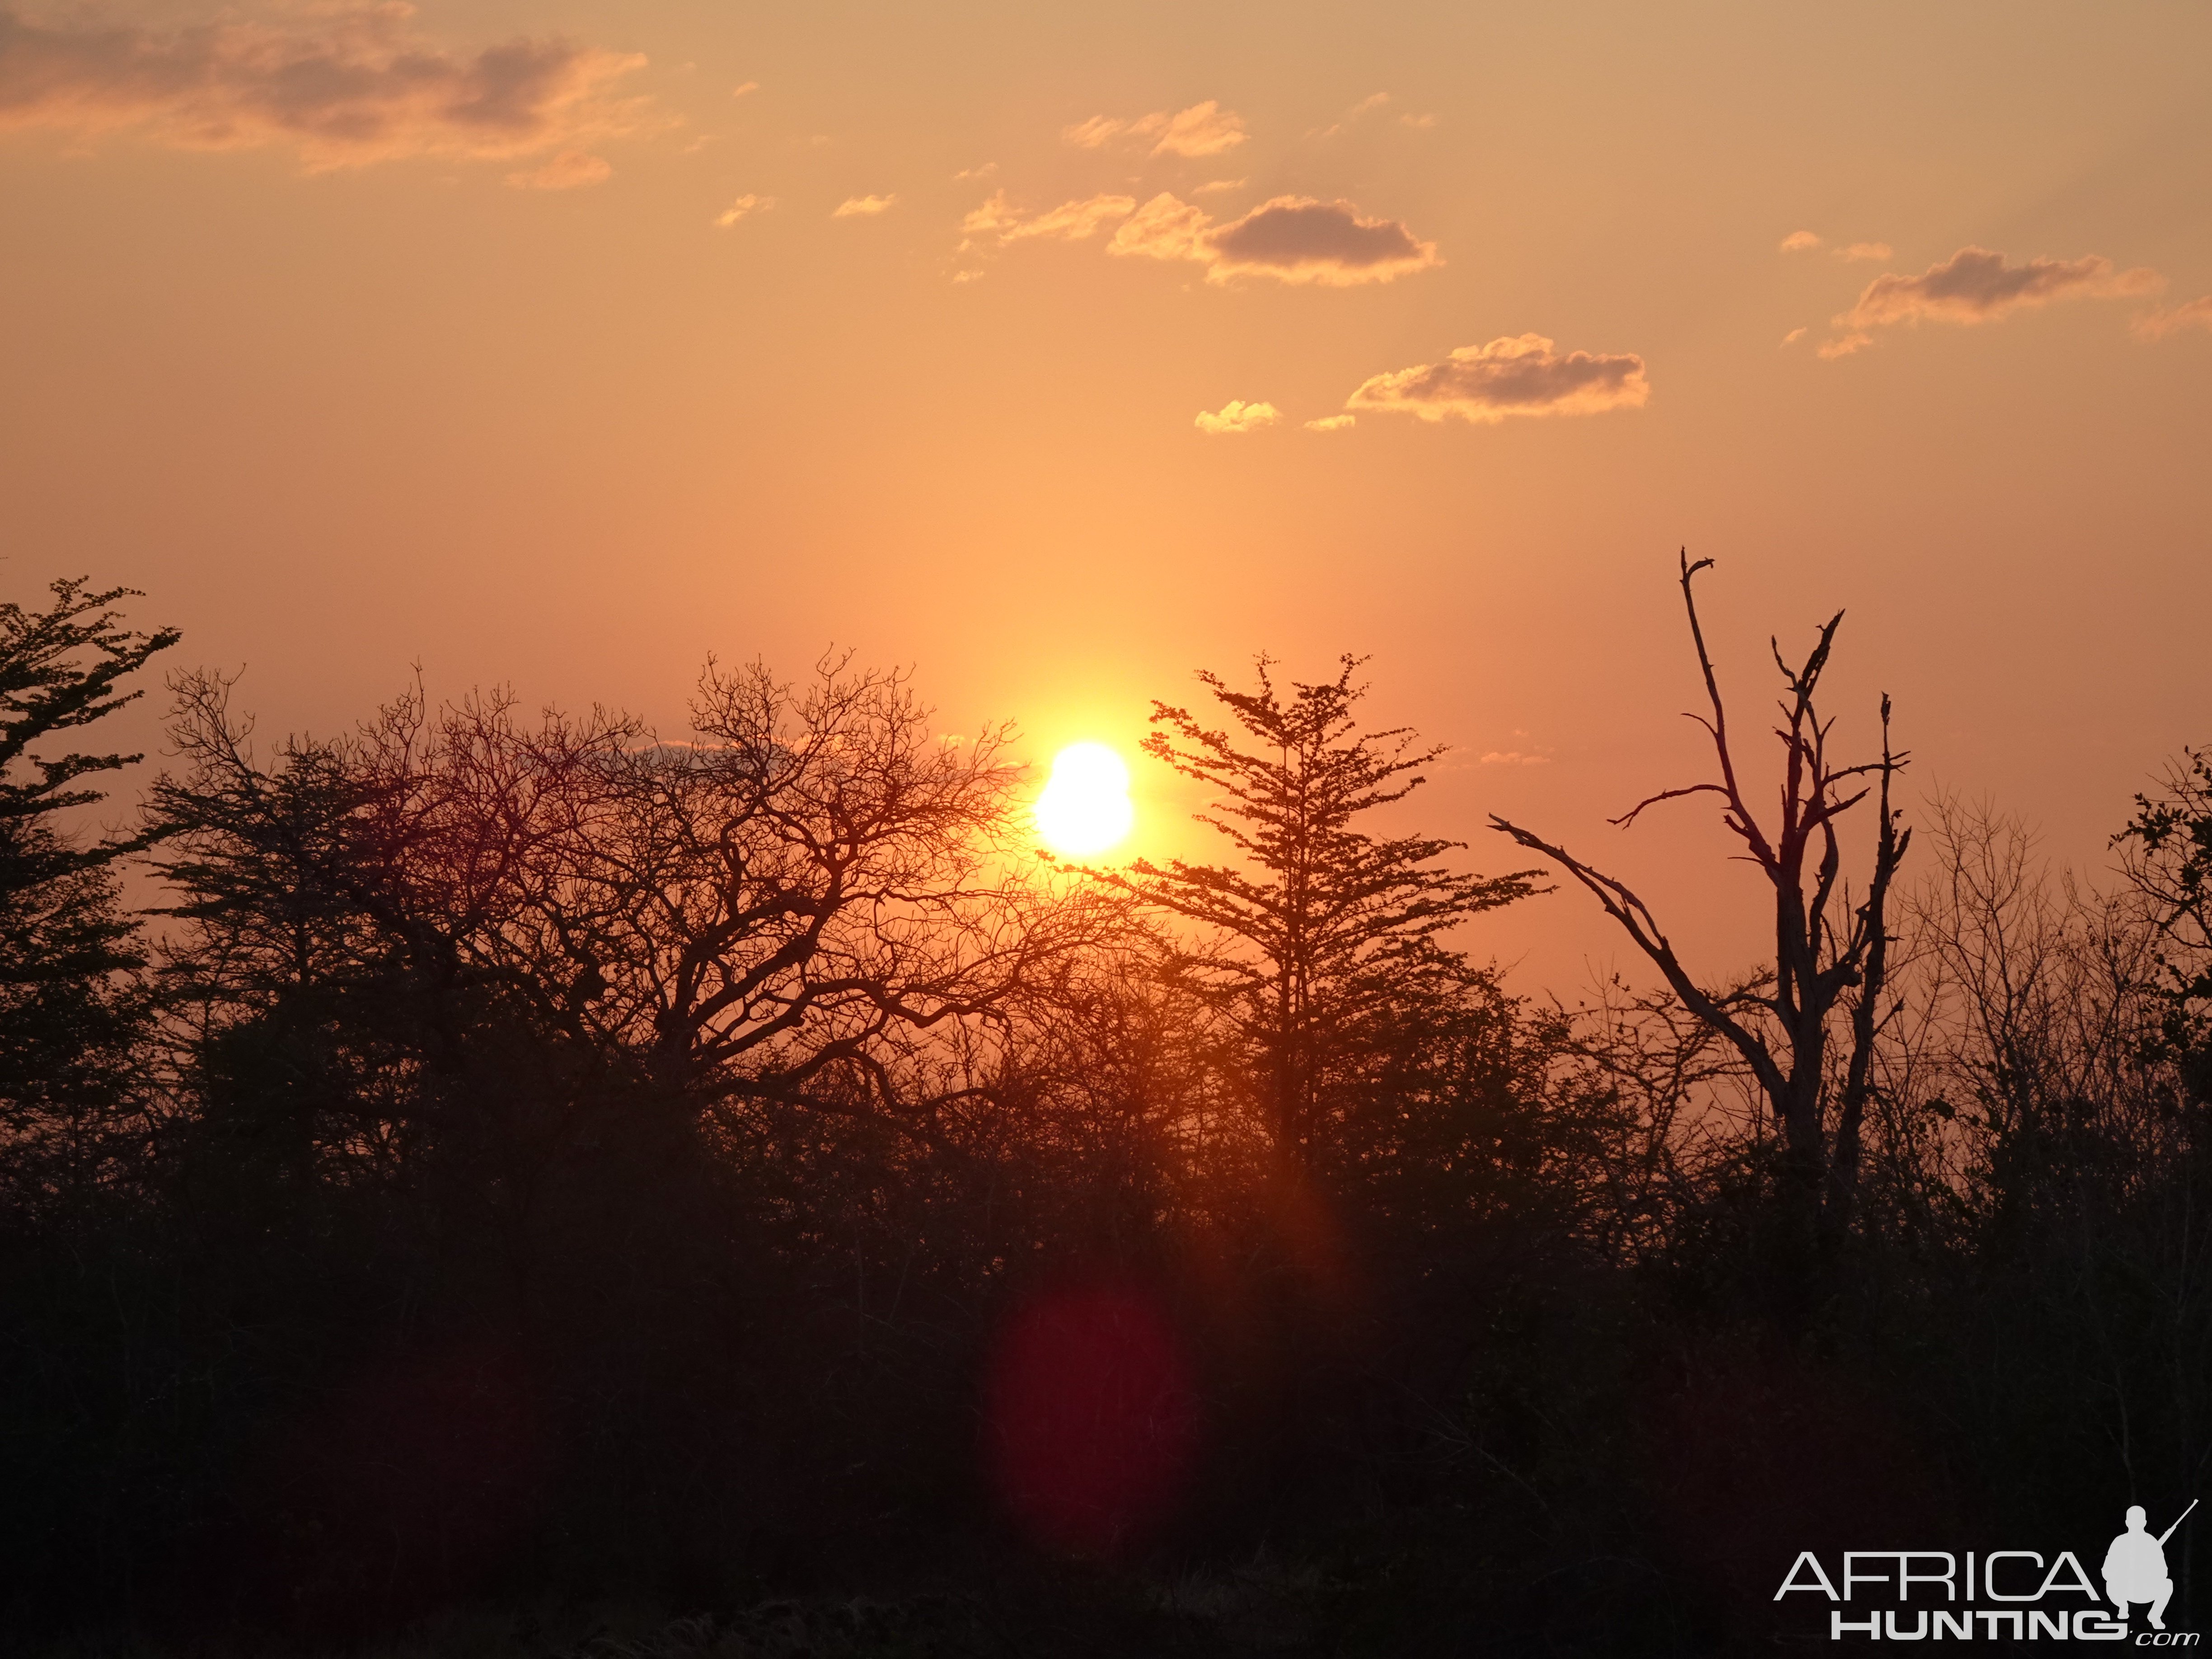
(1085, 807)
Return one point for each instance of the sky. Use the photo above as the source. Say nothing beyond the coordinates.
(1055, 352)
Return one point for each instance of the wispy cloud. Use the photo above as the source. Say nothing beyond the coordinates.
(741, 91)
(1292, 239)
(1204, 129)
(572, 169)
(983, 172)
(1805, 242)
(1513, 757)
(1236, 416)
(1215, 187)
(1344, 122)
(1976, 285)
(340, 87)
(2157, 324)
(1332, 423)
(861, 207)
(998, 221)
(1525, 374)
(744, 207)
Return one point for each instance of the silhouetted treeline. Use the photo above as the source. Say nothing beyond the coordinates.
(524, 1156)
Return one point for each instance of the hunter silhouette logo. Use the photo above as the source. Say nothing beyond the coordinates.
(2018, 1581)
(2135, 1566)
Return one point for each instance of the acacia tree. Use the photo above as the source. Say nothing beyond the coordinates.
(67, 1021)
(1323, 934)
(1832, 958)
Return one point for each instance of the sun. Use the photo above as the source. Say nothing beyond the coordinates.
(1085, 806)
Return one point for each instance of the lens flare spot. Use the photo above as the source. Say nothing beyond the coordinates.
(1092, 1420)
(1085, 808)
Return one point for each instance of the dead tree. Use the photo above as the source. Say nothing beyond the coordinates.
(1832, 958)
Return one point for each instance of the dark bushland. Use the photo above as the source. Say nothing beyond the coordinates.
(531, 1163)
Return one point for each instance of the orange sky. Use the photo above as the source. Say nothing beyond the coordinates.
(511, 338)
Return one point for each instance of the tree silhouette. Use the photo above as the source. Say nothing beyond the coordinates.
(1317, 943)
(67, 1023)
(2168, 861)
(1824, 961)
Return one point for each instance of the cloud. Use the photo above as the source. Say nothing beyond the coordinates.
(572, 169)
(1302, 240)
(983, 172)
(1799, 241)
(344, 87)
(2157, 324)
(1867, 250)
(1215, 186)
(1418, 123)
(1513, 757)
(1522, 375)
(1292, 239)
(1204, 129)
(1236, 416)
(1976, 285)
(1793, 336)
(1001, 221)
(749, 86)
(1373, 100)
(1804, 241)
(859, 207)
(1332, 423)
(742, 207)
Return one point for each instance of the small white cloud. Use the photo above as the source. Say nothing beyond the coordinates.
(1418, 123)
(742, 207)
(1513, 757)
(861, 207)
(1799, 241)
(749, 86)
(1856, 251)
(1204, 129)
(1793, 336)
(1215, 186)
(997, 221)
(1236, 416)
(1332, 423)
(983, 172)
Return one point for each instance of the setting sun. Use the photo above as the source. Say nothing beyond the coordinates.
(1085, 807)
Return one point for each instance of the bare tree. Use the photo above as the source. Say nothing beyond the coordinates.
(1832, 958)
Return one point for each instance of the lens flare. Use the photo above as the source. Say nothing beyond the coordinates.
(1085, 807)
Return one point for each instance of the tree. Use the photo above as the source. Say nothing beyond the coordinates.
(1832, 958)
(1317, 943)
(2168, 861)
(67, 1021)
(785, 907)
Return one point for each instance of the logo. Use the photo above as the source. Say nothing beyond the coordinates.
(2027, 1600)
